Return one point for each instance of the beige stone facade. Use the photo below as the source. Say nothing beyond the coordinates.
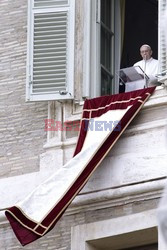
(129, 181)
(21, 124)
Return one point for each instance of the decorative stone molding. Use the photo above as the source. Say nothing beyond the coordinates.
(113, 197)
(116, 233)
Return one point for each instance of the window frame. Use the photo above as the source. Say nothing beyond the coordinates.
(107, 72)
(91, 60)
(91, 76)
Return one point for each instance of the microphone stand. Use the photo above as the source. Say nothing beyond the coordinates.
(145, 79)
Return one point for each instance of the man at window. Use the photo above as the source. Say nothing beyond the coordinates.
(148, 64)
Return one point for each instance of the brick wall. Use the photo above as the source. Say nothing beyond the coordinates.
(21, 124)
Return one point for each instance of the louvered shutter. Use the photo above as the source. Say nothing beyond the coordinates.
(162, 42)
(51, 50)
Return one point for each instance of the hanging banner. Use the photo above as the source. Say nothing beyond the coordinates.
(103, 121)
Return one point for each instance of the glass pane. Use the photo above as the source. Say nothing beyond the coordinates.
(106, 43)
(106, 12)
(106, 49)
(106, 83)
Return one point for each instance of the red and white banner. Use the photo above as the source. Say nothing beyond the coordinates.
(103, 121)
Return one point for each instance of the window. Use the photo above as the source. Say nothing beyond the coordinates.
(106, 46)
(115, 30)
(102, 28)
(50, 63)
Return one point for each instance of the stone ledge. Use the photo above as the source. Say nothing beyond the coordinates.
(111, 197)
(53, 143)
(159, 97)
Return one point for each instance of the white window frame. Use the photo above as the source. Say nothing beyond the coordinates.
(91, 60)
(62, 95)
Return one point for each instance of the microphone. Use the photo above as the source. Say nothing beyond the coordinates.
(145, 80)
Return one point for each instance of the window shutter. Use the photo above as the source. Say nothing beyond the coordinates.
(51, 50)
(162, 42)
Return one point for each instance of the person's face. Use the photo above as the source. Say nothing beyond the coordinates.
(145, 52)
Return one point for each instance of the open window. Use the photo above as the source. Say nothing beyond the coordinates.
(140, 27)
(117, 30)
(106, 24)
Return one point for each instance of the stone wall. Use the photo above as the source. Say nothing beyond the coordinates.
(22, 133)
(22, 138)
(60, 237)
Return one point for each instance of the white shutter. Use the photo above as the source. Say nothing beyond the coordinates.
(162, 42)
(49, 3)
(51, 50)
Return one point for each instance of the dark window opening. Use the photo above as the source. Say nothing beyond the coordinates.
(140, 27)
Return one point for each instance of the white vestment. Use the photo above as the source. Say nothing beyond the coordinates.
(150, 66)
